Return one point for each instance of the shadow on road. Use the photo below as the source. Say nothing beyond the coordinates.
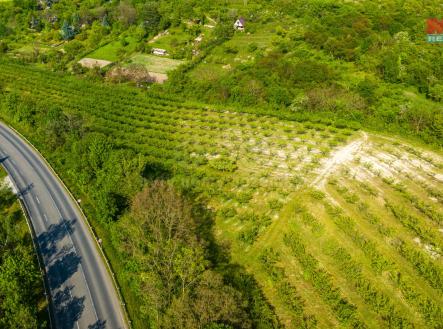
(25, 190)
(62, 263)
(98, 325)
(3, 159)
(62, 269)
(47, 241)
(68, 309)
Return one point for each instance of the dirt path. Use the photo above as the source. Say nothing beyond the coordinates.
(158, 36)
(343, 155)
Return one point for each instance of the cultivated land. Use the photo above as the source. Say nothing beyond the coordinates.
(155, 63)
(339, 227)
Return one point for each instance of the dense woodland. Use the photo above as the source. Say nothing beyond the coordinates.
(183, 181)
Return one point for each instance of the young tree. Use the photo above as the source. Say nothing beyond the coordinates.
(67, 31)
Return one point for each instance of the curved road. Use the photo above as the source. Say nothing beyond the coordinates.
(81, 289)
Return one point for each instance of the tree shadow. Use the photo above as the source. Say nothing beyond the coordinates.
(47, 240)
(67, 309)
(204, 219)
(155, 170)
(260, 311)
(121, 202)
(25, 190)
(3, 159)
(62, 269)
(98, 325)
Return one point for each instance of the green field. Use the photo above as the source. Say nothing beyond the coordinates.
(175, 37)
(155, 63)
(340, 228)
(110, 51)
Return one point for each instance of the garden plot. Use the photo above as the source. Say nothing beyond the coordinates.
(155, 63)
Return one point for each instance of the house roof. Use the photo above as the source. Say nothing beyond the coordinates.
(242, 20)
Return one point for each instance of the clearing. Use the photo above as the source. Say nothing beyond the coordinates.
(114, 50)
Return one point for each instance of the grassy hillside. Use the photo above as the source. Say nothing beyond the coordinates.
(320, 224)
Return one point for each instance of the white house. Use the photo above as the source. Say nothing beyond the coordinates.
(159, 51)
(239, 24)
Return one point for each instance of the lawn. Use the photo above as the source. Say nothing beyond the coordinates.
(155, 63)
(110, 51)
(176, 37)
(179, 41)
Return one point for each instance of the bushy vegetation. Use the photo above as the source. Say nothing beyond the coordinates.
(165, 245)
(365, 62)
(230, 178)
(205, 190)
(22, 300)
(109, 168)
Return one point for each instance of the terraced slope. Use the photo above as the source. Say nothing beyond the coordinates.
(339, 227)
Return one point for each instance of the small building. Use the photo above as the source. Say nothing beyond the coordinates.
(239, 24)
(159, 51)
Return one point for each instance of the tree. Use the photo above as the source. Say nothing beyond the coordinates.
(165, 256)
(55, 127)
(67, 31)
(105, 21)
(3, 47)
(436, 92)
(126, 13)
(99, 149)
(211, 305)
(150, 17)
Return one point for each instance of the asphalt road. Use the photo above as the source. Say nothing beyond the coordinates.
(81, 289)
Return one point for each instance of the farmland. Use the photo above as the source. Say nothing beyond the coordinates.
(338, 227)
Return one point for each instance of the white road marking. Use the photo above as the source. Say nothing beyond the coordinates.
(61, 220)
(90, 295)
(75, 250)
(70, 295)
